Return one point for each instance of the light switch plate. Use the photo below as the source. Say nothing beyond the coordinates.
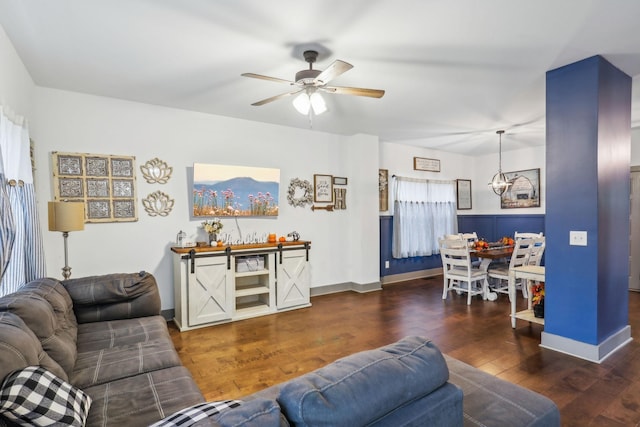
(578, 238)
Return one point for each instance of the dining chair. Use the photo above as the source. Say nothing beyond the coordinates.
(518, 235)
(459, 274)
(520, 256)
(535, 257)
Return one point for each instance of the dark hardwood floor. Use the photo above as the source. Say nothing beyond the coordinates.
(236, 359)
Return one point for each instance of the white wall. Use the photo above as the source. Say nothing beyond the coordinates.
(398, 159)
(72, 122)
(16, 85)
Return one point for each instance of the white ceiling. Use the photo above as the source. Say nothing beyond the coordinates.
(454, 71)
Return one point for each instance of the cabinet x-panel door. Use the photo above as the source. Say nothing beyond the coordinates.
(293, 278)
(210, 291)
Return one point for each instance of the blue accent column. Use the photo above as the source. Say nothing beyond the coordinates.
(587, 185)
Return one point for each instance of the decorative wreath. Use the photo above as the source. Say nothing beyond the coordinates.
(307, 197)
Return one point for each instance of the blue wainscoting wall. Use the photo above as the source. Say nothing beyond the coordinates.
(488, 227)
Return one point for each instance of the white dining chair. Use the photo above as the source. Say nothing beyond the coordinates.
(518, 235)
(520, 256)
(459, 274)
(535, 257)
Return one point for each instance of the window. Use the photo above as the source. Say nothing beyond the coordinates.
(423, 211)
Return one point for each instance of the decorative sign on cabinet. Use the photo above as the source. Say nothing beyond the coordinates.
(222, 284)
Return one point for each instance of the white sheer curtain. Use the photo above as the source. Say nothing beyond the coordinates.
(22, 251)
(423, 211)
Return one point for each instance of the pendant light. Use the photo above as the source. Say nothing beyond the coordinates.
(499, 184)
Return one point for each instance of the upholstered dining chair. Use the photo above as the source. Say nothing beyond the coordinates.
(459, 274)
(520, 256)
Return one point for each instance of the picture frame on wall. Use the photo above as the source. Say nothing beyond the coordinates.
(322, 188)
(424, 164)
(339, 180)
(463, 194)
(524, 191)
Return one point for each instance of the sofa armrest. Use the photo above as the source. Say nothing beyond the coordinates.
(114, 296)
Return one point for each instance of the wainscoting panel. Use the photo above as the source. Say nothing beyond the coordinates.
(488, 227)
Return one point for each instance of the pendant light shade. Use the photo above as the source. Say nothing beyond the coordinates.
(499, 184)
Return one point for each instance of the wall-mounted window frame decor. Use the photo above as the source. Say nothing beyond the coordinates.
(463, 194)
(105, 183)
(524, 191)
(383, 190)
(227, 190)
(322, 188)
(339, 180)
(425, 164)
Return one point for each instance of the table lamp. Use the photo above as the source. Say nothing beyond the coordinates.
(66, 217)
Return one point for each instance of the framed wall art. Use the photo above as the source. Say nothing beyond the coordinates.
(225, 190)
(322, 188)
(463, 194)
(524, 191)
(424, 164)
(339, 180)
(106, 184)
(383, 190)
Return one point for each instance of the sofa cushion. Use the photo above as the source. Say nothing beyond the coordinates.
(142, 399)
(363, 387)
(491, 401)
(101, 366)
(19, 348)
(115, 333)
(34, 396)
(114, 296)
(56, 334)
(189, 416)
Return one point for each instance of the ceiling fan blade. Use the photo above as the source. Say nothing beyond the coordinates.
(275, 98)
(358, 91)
(334, 70)
(273, 79)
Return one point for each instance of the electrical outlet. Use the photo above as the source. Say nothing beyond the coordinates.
(386, 264)
(578, 238)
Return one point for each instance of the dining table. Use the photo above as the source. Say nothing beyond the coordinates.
(487, 256)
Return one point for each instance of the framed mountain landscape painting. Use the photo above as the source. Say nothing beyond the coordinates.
(224, 190)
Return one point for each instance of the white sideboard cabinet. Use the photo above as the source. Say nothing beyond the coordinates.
(222, 284)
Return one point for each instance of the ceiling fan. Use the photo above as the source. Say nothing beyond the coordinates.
(310, 82)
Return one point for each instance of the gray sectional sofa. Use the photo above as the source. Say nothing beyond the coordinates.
(106, 358)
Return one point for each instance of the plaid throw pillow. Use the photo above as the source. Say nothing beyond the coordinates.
(34, 396)
(189, 416)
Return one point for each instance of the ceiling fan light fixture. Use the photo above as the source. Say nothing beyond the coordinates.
(317, 103)
(310, 100)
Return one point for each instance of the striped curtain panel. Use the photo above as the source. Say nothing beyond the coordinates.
(22, 251)
(423, 211)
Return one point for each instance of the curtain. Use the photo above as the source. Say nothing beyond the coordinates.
(22, 250)
(423, 211)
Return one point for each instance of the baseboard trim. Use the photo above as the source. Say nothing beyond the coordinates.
(168, 314)
(347, 286)
(593, 353)
(394, 278)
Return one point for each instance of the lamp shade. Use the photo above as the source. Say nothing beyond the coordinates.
(66, 216)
